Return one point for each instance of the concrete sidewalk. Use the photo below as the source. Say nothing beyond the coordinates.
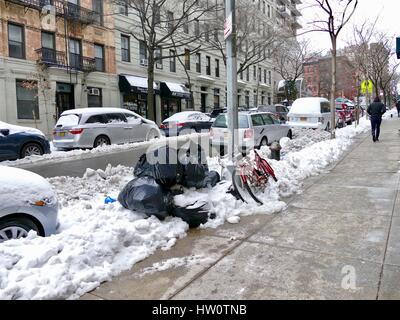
(340, 239)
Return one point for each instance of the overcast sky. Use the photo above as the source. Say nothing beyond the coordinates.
(387, 10)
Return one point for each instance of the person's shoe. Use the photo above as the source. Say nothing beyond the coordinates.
(373, 139)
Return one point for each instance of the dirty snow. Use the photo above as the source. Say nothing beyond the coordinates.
(97, 241)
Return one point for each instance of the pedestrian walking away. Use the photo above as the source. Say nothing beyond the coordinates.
(398, 108)
(375, 110)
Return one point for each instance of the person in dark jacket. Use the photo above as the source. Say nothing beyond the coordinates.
(375, 110)
(398, 108)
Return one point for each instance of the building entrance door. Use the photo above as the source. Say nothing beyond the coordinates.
(64, 98)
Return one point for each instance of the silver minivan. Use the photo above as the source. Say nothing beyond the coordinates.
(256, 129)
(92, 127)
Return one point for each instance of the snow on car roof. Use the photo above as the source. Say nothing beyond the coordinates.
(181, 116)
(94, 110)
(21, 187)
(16, 129)
(307, 105)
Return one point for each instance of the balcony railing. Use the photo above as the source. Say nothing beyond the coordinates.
(65, 9)
(58, 59)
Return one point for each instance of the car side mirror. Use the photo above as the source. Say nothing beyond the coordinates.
(5, 132)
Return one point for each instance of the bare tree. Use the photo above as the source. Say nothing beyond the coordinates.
(256, 39)
(289, 61)
(164, 25)
(335, 15)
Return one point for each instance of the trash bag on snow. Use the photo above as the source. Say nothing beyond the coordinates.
(145, 195)
(161, 164)
(194, 215)
(211, 179)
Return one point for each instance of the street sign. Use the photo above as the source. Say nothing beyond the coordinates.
(228, 26)
(364, 86)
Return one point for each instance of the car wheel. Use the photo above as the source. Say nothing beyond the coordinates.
(100, 141)
(263, 143)
(31, 149)
(290, 134)
(15, 228)
(349, 122)
(152, 134)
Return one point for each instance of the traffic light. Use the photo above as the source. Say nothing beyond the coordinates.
(398, 48)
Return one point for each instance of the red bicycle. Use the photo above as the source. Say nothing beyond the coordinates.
(251, 177)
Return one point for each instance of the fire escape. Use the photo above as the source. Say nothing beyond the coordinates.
(72, 15)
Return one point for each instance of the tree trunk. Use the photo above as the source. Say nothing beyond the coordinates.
(150, 90)
(333, 88)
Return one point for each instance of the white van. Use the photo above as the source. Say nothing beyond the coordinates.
(313, 113)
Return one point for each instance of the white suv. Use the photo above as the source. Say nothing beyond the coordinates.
(256, 129)
(92, 127)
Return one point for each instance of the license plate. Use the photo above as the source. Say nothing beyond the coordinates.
(303, 119)
(61, 134)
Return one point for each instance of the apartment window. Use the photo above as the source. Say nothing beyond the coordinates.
(95, 97)
(208, 65)
(206, 32)
(75, 53)
(255, 98)
(247, 98)
(259, 4)
(27, 100)
(265, 76)
(248, 74)
(158, 58)
(241, 71)
(99, 57)
(187, 59)
(157, 15)
(172, 61)
(215, 35)
(123, 8)
(269, 77)
(198, 62)
(217, 67)
(259, 74)
(48, 47)
(216, 98)
(186, 26)
(98, 8)
(125, 48)
(269, 11)
(264, 7)
(254, 73)
(142, 53)
(170, 20)
(196, 27)
(16, 41)
(269, 98)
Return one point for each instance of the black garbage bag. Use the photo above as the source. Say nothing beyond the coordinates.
(194, 215)
(161, 164)
(211, 179)
(194, 175)
(145, 195)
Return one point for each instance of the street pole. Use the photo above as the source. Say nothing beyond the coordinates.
(231, 74)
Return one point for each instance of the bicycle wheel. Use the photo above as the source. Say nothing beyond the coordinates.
(243, 189)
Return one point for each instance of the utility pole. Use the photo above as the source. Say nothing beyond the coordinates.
(231, 74)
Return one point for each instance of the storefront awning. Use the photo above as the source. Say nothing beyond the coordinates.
(134, 84)
(171, 89)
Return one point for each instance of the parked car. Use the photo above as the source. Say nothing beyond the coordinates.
(217, 111)
(19, 142)
(256, 129)
(311, 113)
(92, 127)
(186, 122)
(27, 202)
(279, 110)
(345, 112)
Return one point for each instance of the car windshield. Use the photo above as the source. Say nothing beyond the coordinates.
(220, 121)
(68, 120)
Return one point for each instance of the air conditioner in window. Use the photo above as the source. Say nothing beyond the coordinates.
(143, 62)
(94, 92)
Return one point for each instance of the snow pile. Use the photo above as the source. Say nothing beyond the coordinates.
(97, 241)
(390, 114)
(25, 188)
(302, 138)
